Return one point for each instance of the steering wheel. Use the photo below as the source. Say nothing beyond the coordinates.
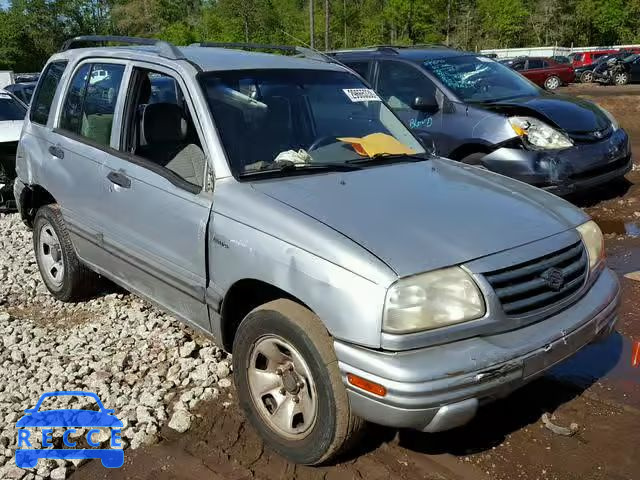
(320, 142)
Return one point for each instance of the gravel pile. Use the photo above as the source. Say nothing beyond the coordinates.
(141, 362)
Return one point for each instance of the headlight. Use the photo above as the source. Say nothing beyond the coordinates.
(539, 134)
(432, 300)
(612, 119)
(593, 241)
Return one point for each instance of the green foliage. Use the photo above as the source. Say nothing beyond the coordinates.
(30, 30)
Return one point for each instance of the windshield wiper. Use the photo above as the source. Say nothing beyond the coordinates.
(385, 158)
(290, 168)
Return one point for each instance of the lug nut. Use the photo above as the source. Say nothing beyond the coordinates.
(279, 372)
(283, 391)
(295, 399)
(291, 367)
(300, 384)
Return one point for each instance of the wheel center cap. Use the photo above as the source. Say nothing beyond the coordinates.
(290, 382)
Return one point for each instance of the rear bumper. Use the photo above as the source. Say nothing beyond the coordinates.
(426, 395)
(566, 171)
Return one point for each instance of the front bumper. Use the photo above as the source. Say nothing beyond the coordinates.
(440, 387)
(566, 171)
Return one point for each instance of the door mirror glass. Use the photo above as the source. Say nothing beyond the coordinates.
(426, 103)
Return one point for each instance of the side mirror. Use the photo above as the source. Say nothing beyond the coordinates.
(427, 104)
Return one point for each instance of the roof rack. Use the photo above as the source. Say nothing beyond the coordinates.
(302, 51)
(165, 49)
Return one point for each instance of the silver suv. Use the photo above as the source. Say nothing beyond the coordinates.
(277, 204)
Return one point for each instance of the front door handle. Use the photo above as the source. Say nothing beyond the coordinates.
(120, 179)
(56, 151)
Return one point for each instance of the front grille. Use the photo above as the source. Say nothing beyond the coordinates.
(523, 289)
(591, 136)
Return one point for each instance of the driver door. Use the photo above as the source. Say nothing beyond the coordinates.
(399, 83)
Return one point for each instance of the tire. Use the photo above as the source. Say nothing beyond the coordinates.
(323, 425)
(64, 275)
(586, 76)
(552, 82)
(621, 78)
(474, 159)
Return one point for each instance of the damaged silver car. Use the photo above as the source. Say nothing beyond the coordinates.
(277, 204)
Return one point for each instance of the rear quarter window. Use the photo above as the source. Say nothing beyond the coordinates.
(45, 92)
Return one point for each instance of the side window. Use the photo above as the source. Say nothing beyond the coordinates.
(362, 68)
(545, 64)
(400, 83)
(47, 87)
(91, 101)
(519, 66)
(535, 63)
(160, 127)
(71, 117)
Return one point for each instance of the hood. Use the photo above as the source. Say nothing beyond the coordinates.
(10, 130)
(570, 114)
(422, 216)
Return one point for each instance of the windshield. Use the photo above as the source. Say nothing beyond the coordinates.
(305, 118)
(11, 109)
(479, 79)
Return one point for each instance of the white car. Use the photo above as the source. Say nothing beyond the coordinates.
(12, 112)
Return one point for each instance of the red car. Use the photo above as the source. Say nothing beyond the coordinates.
(544, 72)
(578, 59)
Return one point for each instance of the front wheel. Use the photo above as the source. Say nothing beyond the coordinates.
(621, 78)
(289, 384)
(586, 77)
(552, 83)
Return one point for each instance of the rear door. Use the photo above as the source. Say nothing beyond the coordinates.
(155, 210)
(79, 143)
(535, 71)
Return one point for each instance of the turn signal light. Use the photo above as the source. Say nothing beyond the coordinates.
(366, 385)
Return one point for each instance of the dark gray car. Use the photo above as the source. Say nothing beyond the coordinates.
(480, 112)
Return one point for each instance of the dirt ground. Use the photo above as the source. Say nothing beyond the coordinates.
(598, 389)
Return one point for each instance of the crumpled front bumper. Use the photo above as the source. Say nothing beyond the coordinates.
(440, 387)
(566, 171)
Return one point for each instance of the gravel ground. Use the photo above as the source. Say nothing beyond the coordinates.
(141, 362)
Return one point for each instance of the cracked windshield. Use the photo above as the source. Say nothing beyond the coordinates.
(303, 119)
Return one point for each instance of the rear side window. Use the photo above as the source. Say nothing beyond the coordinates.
(535, 63)
(91, 100)
(43, 98)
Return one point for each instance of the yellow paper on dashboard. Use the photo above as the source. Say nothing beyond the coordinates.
(377, 143)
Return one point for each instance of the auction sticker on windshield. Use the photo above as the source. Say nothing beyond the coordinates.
(361, 94)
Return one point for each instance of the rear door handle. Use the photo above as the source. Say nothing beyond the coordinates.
(56, 151)
(120, 179)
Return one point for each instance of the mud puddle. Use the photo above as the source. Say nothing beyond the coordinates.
(618, 227)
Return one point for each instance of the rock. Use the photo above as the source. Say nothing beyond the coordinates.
(180, 421)
(143, 415)
(224, 383)
(187, 349)
(222, 370)
(4, 317)
(11, 472)
(59, 473)
(141, 439)
(201, 373)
